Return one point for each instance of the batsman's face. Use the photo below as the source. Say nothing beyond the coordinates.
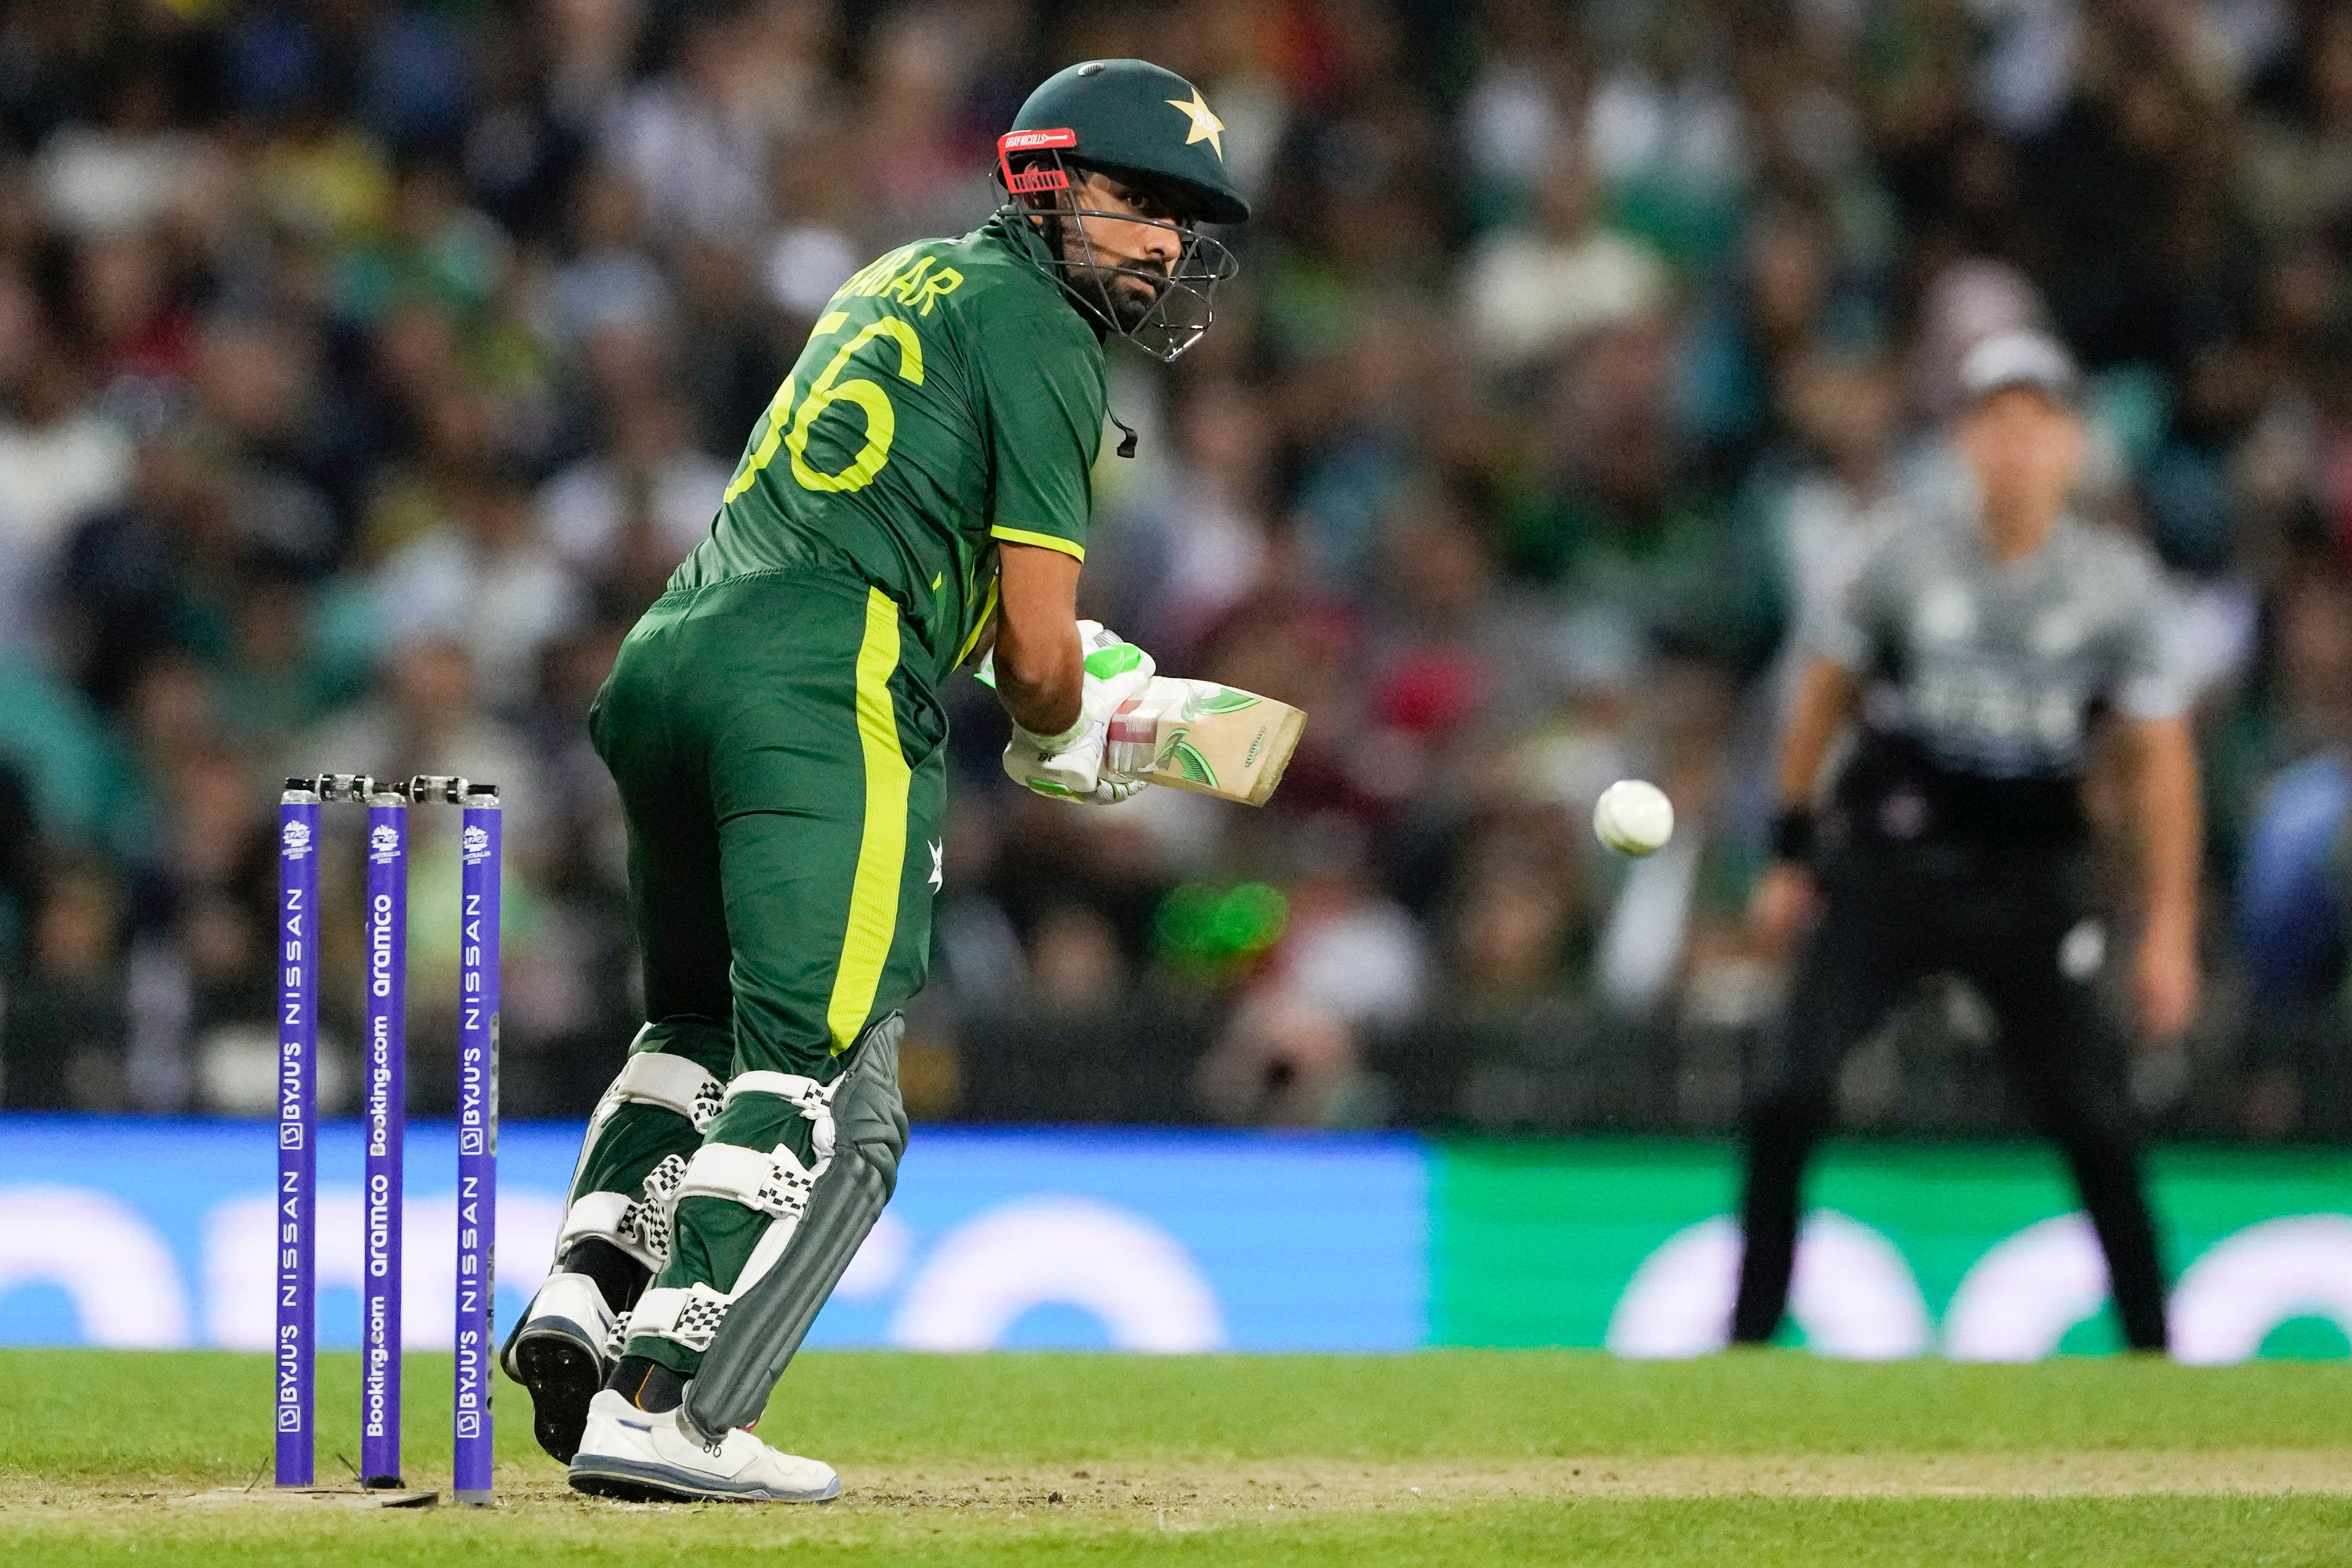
(1121, 241)
(2025, 448)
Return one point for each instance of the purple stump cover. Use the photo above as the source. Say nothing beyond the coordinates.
(477, 1138)
(385, 1121)
(297, 1168)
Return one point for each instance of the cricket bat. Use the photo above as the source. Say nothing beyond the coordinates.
(1201, 736)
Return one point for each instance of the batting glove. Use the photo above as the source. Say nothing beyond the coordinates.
(1068, 766)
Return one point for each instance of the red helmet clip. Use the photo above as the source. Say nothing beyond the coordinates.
(1045, 176)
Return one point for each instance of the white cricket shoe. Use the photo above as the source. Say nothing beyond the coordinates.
(642, 1456)
(558, 1353)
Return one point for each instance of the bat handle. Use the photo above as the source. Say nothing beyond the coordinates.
(1132, 744)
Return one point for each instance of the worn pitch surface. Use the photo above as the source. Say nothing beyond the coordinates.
(1454, 1456)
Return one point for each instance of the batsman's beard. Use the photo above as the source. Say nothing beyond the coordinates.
(1129, 293)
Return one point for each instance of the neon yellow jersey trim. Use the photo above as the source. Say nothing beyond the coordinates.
(882, 851)
(987, 608)
(1023, 536)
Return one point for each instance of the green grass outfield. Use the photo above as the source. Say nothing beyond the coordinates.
(1438, 1457)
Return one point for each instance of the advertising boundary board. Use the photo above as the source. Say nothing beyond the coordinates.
(121, 1231)
(1974, 1250)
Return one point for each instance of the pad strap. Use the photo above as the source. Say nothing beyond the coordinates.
(675, 1083)
(690, 1316)
(813, 1098)
(644, 1229)
(776, 1183)
(592, 1213)
(639, 1226)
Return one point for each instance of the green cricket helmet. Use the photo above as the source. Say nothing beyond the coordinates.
(1132, 118)
(1150, 129)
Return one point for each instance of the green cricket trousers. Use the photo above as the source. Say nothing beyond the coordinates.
(783, 774)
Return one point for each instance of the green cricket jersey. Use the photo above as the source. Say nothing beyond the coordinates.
(948, 397)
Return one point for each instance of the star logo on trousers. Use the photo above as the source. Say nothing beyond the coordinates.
(938, 873)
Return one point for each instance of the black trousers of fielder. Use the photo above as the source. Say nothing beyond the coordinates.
(1997, 918)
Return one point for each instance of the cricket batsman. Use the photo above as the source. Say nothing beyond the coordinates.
(774, 726)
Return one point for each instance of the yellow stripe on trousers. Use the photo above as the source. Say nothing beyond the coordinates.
(882, 852)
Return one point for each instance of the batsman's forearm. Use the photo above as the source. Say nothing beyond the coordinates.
(2171, 824)
(1040, 686)
(1825, 698)
(1039, 668)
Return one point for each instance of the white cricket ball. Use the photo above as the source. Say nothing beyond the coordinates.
(1634, 817)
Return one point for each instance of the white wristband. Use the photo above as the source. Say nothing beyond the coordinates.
(1050, 745)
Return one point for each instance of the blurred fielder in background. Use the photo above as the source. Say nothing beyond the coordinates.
(1976, 653)
(774, 726)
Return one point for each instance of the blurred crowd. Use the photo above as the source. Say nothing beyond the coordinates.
(365, 365)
